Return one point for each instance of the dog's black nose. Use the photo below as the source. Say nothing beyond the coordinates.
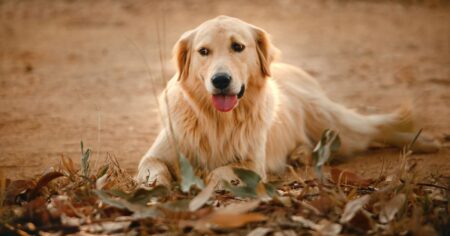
(221, 80)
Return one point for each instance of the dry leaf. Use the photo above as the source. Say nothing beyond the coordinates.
(305, 222)
(285, 233)
(322, 204)
(352, 207)
(391, 208)
(240, 207)
(260, 231)
(16, 188)
(361, 221)
(232, 220)
(101, 182)
(203, 196)
(106, 227)
(328, 228)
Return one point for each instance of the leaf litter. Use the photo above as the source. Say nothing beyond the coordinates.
(82, 200)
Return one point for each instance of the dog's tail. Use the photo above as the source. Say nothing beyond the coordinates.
(400, 120)
(358, 131)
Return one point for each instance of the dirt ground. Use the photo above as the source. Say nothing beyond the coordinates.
(77, 70)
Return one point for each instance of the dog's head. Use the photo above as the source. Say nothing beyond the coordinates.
(224, 54)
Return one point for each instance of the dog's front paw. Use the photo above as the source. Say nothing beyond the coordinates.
(147, 180)
(224, 173)
(153, 173)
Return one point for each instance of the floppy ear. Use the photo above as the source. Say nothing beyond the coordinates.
(267, 52)
(182, 54)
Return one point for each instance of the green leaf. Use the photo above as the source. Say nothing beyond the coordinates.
(140, 196)
(241, 191)
(188, 178)
(178, 206)
(102, 171)
(107, 200)
(143, 196)
(329, 143)
(85, 160)
(250, 178)
(270, 189)
(138, 210)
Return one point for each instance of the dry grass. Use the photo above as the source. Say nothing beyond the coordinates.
(72, 199)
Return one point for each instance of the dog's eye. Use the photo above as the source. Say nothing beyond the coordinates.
(203, 51)
(237, 47)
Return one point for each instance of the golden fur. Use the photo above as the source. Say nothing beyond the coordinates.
(282, 111)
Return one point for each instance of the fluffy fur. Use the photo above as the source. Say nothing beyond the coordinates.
(283, 110)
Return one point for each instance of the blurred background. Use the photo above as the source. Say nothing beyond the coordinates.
(79, 70)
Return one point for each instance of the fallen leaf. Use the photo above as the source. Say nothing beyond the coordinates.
(188, 178)
(288, 232)
(16, 188)
(250, 178)
(329, 143)
(361, 221)
(260, 231)
(239, 207)
(101, 182)
(322, 204)
(305, 222)
(233, 220)
(198, 201)
(352, 207)
(251, 187)
(391, 208)
(43, 181)
(106, 227)
(328, 228)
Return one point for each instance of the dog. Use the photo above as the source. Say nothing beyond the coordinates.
(230, 105)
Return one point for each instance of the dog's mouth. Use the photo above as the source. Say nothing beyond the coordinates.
(224, 102)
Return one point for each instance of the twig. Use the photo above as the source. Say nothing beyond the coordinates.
(433, 185)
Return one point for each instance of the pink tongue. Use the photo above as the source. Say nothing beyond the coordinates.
(224, 103)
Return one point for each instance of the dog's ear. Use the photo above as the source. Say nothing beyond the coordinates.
(267, 52)
(182, 54)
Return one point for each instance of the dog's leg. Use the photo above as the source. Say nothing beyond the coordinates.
(155, 164)
(302, 154)
(153, 171)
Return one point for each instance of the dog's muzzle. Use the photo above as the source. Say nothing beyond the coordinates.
(241, 93)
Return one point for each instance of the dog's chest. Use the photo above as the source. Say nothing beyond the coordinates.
(216, 141)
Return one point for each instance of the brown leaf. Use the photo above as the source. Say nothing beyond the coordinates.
(231, 220)
(323, 204)
(328, 228)
(361, 221)
(352, 207)
(203, 196)
(36, 210)
(68, 165)
(239, 207)
(16, 188)
(43, 181)
(345, 177)
(391, 208)
(260, 231)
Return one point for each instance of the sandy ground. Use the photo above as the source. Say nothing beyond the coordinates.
(77, 70)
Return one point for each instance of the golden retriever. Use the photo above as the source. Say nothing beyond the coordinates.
(230, 105)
